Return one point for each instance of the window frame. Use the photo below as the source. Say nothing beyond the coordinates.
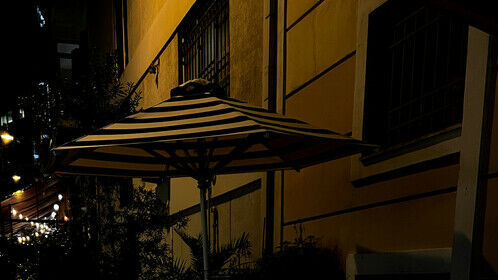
(381, 165)
(213, 13)
(405, 109)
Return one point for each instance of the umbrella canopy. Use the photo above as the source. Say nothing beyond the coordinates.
(201, 133)
(198, 133)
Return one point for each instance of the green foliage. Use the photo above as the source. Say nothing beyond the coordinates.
(130, 240)
(101, 236)
(300, 258)
(229, 254)
(98, 98)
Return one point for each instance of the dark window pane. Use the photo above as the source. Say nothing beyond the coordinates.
(415, 72)
(204, 43)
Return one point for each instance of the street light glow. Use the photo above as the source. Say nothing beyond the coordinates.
(6, 138)
(59, 197)
(16, 179)
(56, 207)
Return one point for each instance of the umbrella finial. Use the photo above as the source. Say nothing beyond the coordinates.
(197, 87)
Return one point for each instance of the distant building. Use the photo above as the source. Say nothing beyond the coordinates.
(417, 79)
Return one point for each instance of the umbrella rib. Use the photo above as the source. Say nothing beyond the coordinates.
(210, 154)
(281, 156)
(175, 157)
(189, 156)
(201, 151)
(168, 161)
(238, 150)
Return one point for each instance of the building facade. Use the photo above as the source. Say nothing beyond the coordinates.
(419, 80)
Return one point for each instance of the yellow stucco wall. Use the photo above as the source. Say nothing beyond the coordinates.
(156, 87)
(296, 8)
(323, 37)
(246, 50)
(403, 226)
(320, 39)
(150, 25)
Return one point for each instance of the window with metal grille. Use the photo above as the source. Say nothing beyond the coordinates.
(415, 76)
(204, 43)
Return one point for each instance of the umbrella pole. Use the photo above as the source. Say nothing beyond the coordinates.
(205, 248)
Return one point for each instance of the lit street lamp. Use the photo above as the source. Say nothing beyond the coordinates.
(16, 178)
(6, 138)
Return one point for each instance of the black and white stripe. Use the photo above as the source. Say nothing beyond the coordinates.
(203, 134)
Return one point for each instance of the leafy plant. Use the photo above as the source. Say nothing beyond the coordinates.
(229, 254)
(300, 258)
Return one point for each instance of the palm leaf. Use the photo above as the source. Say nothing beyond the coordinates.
(241, 247)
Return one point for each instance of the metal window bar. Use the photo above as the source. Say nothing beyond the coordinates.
(424, 62)
(204, 47)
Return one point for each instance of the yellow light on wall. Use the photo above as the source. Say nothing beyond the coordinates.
(19, 192)
(6, 138)
(16, 179)
(20, 216)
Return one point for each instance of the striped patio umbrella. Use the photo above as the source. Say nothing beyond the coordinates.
(200, 133)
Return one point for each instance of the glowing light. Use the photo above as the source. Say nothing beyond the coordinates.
(32, 223)
(36, 234)
(6, 138)
(56, 207)
(16, 179)
(14, 212)
(66, 219)
(42, 231)
(19, 240)
(27, 238)
(53, 215)
(20, 216)
(23, 238)
(37, 225)
(41, 18)
(27, 219)
(59, 197)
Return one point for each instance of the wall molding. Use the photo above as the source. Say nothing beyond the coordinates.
(373, 205)
(219, 199)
